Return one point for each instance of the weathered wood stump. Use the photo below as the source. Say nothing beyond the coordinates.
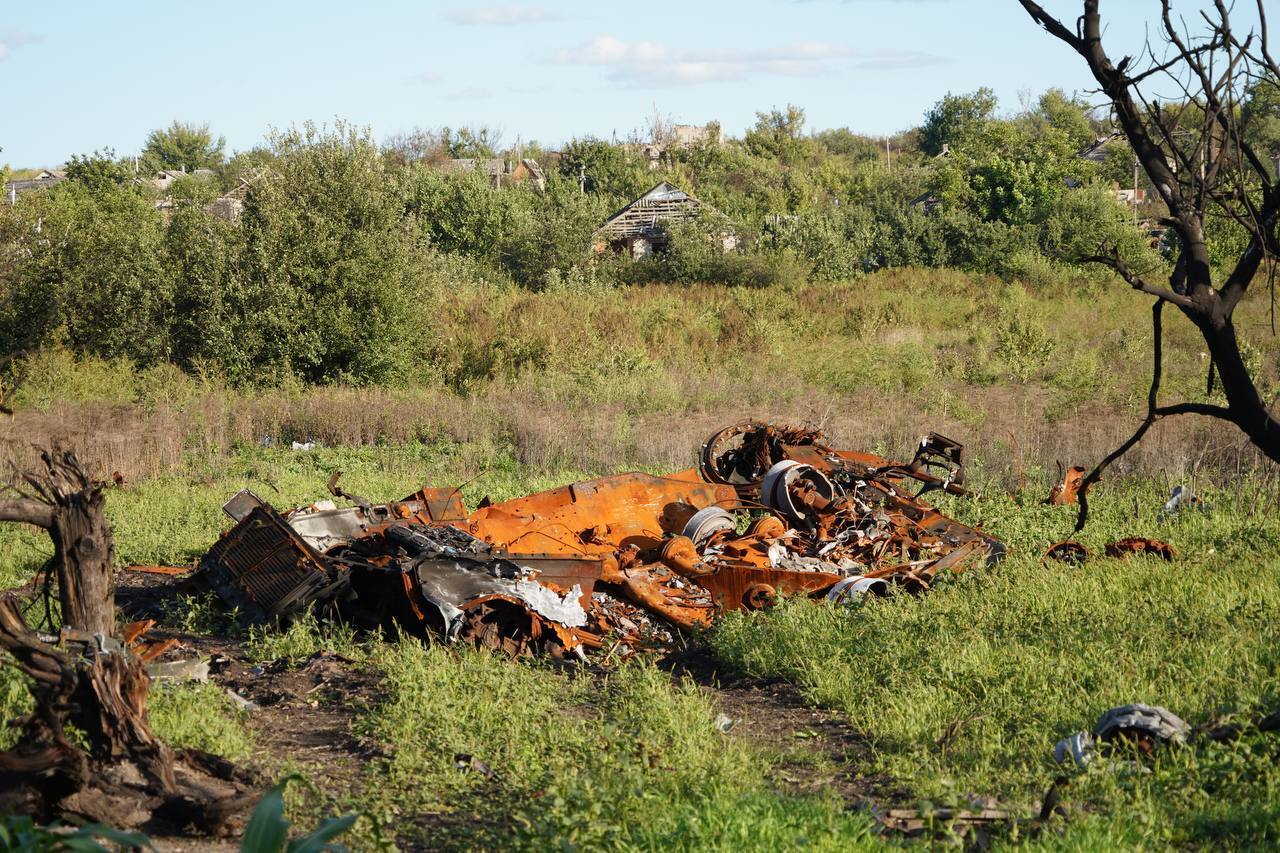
(116, 770)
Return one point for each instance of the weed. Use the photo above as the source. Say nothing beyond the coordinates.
(200, 716)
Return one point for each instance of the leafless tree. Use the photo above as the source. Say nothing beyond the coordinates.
(1195, 150)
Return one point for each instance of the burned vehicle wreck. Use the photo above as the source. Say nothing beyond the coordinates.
(769, 511)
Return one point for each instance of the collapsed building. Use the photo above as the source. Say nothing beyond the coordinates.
(769, 511)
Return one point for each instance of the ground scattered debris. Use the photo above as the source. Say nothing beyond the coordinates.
(1067, 489)
(1137, 727)
(1182, 498)
(1141, 546)
(193, 669)
(613, 563)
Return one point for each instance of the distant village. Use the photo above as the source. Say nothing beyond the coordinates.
(637, 230)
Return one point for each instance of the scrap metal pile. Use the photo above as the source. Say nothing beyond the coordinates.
(624, 560)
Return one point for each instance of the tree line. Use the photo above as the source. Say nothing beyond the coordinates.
(346, 248)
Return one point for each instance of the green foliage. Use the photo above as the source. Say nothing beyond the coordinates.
(1260, 115)
(98, 171)
(1022, 342)
(268, 830)
(609, 170)
(90, 272)
(778, 134)
(470, 142)
(184, 147)
(20, 834)
(955, 120)
(331, 268)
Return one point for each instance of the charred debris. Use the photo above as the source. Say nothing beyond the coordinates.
(621, 561)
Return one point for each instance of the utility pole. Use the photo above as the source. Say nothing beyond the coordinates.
(582, 178)
(888, 155)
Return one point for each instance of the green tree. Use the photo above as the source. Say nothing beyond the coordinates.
(99, 171)
(955, 119)
(1260, 116)
(89, 270)
(211, 331)
(778, 134)
(468, 142)
(333, 271)
(607, 169)
(183, 146)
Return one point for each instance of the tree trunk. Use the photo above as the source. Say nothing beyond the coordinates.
(84, 553)
(91, 682)
(1248, 409)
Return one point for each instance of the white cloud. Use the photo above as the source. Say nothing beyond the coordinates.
(9, 41)
(655, 64)
(501, 15)
(426, 78)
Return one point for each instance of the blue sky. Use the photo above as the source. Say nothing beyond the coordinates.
(78, 76)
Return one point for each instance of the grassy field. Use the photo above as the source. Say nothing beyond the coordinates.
(959, 693)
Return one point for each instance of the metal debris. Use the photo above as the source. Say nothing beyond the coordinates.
(1182, 498)
(1136, 727)
(1072, 553)
(1142, 546)
(193, 669)
(1067, 489)
(613, 563)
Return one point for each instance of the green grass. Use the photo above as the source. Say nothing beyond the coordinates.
(635, 762)
(962, 691)
(199, 716)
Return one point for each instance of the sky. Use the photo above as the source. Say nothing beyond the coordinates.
(80, 76)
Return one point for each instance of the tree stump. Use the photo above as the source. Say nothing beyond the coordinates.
(86, 678)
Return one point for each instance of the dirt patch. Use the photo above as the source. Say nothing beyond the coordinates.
(301, 716)
(817, 749)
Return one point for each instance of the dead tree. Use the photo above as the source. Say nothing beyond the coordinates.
(1208, 167)
(85, 677)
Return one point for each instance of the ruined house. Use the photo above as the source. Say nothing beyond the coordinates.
(696, 134)
(165, 178)
(230, 205)
(677, 136)
(46, 178)
(501, 171)
(640, 228)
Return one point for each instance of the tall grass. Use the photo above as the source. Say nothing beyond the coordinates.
(597, 379)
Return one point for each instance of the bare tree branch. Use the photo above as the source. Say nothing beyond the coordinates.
(32, 512)
(1136, 282)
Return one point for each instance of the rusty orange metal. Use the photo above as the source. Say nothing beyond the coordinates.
(771, 511)
(1141, 546)
(1067, 490)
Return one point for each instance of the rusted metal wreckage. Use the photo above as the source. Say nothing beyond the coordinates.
(769, 511)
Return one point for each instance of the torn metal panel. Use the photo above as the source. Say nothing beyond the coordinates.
(599, 516)
(266, 569)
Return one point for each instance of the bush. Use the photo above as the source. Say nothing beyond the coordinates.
(88, 271)
(333, 271)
